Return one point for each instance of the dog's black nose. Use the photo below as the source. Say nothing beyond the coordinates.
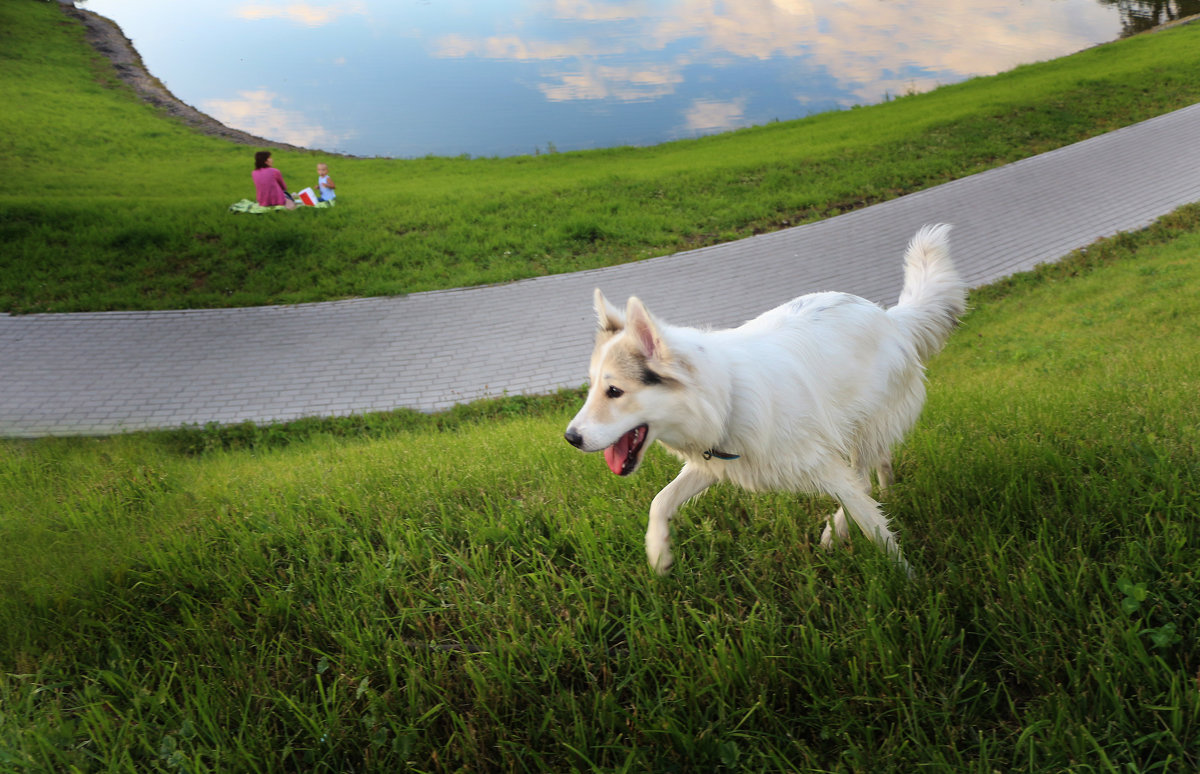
(573, 438)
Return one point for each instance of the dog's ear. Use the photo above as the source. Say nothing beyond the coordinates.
(610, 318)
(645, 331)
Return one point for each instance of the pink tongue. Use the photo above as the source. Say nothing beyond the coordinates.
(616, 454)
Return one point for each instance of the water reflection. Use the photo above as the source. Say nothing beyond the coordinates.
(445, 77)
(1141, 15)
(302, 13)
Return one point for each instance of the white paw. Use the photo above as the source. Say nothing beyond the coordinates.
(658, 554)
(836, 530)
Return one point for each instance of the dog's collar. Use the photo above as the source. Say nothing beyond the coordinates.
(709, 454)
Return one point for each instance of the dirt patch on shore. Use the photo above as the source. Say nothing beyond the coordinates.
(108, 39)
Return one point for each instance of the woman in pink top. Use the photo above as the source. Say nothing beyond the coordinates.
(268, 183)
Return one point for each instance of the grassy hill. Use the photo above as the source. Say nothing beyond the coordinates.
(114, 205)
(465, 592)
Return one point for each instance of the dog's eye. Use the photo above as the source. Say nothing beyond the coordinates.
(614, 392)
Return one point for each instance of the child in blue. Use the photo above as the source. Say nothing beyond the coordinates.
(325, 183)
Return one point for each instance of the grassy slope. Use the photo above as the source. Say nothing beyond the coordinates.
(438, 594)
(118, 207)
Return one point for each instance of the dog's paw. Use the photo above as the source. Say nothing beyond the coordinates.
(836, 530)
(658, 554)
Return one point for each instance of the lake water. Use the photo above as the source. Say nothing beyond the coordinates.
(408, 78)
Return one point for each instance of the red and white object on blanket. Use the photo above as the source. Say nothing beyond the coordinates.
(307, 197)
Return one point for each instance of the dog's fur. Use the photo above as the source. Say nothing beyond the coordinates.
(809, 396)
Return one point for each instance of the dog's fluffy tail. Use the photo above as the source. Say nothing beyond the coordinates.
(934, 296)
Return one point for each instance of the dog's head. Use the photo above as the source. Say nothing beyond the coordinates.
(633, 378)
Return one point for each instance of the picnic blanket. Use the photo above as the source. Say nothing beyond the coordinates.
(254, 208)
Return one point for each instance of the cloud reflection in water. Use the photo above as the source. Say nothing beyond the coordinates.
(417, 77)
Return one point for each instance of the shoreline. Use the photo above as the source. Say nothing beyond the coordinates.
(107, 39)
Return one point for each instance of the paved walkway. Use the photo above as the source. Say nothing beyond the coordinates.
(108, 372)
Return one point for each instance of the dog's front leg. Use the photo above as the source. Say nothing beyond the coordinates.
(689, 483)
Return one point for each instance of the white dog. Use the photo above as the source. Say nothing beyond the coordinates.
(809, 396)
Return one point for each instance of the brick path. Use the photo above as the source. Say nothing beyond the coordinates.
(108, 372)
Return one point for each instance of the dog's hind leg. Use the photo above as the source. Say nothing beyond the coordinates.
(689, 483)
(836, 529)
(852, 490)
(884, 474)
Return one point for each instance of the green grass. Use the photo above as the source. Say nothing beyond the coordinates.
(464, 592)
(114, 206)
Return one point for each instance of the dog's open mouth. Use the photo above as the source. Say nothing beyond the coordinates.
(623, 456)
